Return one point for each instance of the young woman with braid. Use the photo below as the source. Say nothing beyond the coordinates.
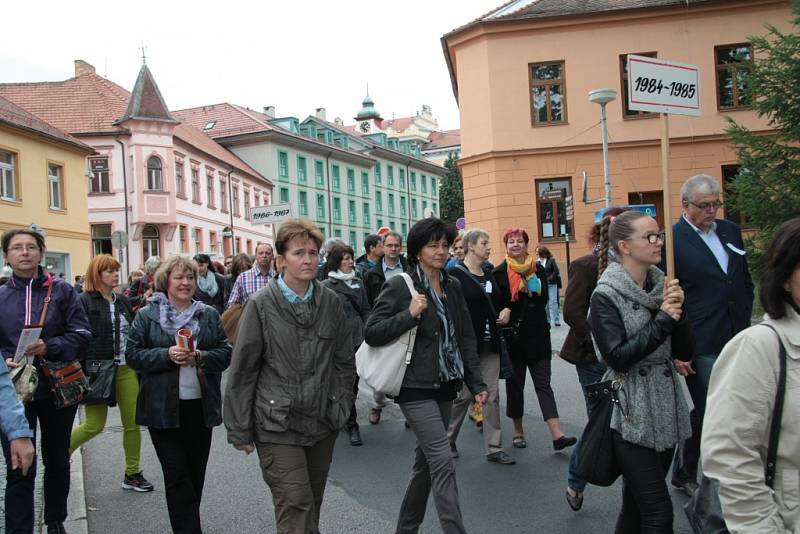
(578, 348)
(637, 321)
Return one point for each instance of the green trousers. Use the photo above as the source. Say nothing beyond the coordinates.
(127, 391)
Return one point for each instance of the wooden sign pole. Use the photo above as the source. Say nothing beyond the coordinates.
(668, 243)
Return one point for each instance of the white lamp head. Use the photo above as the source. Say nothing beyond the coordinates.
(602, 96)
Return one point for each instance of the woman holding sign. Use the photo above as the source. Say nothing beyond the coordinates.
(34, 298)
(180, 350)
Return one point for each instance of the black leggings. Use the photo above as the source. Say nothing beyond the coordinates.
(646, 504)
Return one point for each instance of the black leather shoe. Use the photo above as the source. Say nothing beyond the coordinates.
(56, 528)
(563, 442)
(575, 501)
(355, 436)
(500, 457)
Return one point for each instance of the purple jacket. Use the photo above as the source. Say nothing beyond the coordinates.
(66, 328)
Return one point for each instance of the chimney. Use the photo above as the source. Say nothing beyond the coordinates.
(320, 114)
(269, 111)
(82, 68)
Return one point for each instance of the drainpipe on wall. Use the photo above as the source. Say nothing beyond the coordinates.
(125, 191)
(230, 210)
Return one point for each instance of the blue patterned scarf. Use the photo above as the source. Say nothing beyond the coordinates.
(171, 320)
(451, 365)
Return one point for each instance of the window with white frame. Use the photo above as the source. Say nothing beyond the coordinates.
(195, 184)
(154, 168)
(55, 174)
(8, 179)
(235, 200)
(99, 180)
(101, 239)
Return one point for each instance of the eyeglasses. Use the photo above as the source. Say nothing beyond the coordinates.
(23, 248)
(654, 238)
(705, 205)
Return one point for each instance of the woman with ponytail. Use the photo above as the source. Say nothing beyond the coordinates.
(523, 290)
(578, 348)
(638, 324)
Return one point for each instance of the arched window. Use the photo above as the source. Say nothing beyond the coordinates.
(154, 182)
(151, 244)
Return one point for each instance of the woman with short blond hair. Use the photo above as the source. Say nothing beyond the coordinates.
(179, 348)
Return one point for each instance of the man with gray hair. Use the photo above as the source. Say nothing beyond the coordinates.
(711, 264)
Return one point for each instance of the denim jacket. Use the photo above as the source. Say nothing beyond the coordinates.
(13, 423)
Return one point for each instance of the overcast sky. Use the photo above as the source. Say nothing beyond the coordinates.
(295, 55)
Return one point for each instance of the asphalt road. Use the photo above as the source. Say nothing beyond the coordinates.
(366, 484)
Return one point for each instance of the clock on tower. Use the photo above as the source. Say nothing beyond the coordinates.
(364, 127)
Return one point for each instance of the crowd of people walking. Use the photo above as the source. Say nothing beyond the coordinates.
(286, 326)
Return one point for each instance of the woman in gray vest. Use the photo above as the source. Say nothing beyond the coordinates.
(638, 325)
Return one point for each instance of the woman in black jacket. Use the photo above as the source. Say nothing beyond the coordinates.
(210, 285)
(638, 325)
(343, 279)
(523, 290)
(480, 288)
(179, 398)
(444, 359)
(110, 316)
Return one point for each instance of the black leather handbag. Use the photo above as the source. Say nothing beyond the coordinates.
(597, 464)
(102, 374)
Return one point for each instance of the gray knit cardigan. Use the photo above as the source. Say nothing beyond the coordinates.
(652, 412)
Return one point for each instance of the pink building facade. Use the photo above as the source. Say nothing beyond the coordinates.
(170, 187)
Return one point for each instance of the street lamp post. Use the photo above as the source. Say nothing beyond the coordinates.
(603, 97)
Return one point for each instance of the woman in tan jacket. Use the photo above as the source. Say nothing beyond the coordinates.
(290, 386)
(741, 400)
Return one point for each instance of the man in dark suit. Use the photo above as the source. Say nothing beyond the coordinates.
(711, 264)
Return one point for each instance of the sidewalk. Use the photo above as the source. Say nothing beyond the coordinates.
(76, 505)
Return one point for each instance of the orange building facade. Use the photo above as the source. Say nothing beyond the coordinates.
(522, 75)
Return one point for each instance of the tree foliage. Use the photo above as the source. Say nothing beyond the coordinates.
(451, 192)
(767, 187)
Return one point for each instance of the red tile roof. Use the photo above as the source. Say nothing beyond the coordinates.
(91, 104)
(528, 9)
(16, 117)
(443, 139)
(400, 124)
(86, 104)
(228, 119)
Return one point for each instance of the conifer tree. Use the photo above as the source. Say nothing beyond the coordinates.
(451, 192)
(767, 187)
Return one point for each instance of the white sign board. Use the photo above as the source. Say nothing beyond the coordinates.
(270, 214)
(663, 86)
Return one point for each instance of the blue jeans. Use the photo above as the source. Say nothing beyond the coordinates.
(588, 373)
(687, 454)
(552, 302)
